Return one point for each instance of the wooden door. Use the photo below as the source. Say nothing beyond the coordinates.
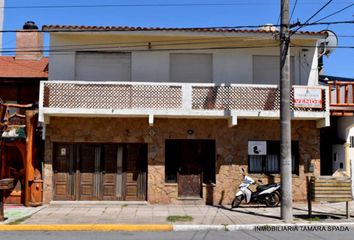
(111, 168)
(135, 171)
(189, 172)
(100, 171)
(64, 172)
(89, 172)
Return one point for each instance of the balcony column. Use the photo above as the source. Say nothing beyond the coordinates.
(187, 97)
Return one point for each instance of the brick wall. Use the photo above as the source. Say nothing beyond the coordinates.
(231, 149)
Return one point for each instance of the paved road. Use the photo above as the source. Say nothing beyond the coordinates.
(203, 235)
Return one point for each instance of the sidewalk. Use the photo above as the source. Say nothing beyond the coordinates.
(126, 213)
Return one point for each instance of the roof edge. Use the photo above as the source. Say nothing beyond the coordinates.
(77, 28)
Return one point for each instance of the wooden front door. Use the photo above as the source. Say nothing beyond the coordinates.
(63, 169)
(109, 172)
(135, 171)
(89, 172)
(100, 171)
(189, 175)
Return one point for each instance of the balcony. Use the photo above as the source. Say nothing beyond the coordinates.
(341, 98)
(188, 100)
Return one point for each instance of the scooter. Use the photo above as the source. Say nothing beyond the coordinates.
(268, 194)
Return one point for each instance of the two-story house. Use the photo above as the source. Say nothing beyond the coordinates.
(171, 115)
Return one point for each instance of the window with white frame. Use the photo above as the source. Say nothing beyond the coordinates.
(352, 141)
(270, 163)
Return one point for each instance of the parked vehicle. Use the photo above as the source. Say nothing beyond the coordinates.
(268, 194)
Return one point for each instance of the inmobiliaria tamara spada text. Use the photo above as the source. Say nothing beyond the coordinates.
(323, 228)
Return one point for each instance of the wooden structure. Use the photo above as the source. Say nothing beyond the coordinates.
(5, 184)
(106, 171)
(19, 155)
(329, 189)
(341, 98)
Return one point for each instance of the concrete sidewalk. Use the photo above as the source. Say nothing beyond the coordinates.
(128, 213)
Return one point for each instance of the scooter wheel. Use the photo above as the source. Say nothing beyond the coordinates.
(272, 200)
(236, 202)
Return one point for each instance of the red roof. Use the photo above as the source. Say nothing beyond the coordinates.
(125, 28)
(16, 68)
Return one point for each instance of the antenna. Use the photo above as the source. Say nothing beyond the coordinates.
(329, 44)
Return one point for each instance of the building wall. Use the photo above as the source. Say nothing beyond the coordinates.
(229, 65)
(231, 149)
(345, 130)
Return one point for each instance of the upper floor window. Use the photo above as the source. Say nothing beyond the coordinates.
(103, 66)
(266, 69)
(191, 67)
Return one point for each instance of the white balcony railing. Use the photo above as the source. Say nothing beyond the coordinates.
(77, 98)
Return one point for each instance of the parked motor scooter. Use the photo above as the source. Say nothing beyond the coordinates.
(268, 194)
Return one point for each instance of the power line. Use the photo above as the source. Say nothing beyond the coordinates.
(145, 29)
(110, 45)
(246, 3)
(339, 47)
(292, 12)
(332, 14)
(223, 29)
(129, 47)
(137, 5)
(70, 51)
(309, 19)
(143, 43)
(326, 23)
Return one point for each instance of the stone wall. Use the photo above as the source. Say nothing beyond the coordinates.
(231, 149)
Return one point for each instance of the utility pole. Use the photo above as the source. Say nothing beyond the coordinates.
(285, 119)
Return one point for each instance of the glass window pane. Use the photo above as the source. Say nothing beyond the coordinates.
(272, 164)
(255, 163)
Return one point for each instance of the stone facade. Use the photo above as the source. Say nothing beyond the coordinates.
(231, 149)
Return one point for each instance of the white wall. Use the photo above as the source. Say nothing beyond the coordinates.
(345, 129)
(229, 65)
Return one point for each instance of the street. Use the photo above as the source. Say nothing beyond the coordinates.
(193, 235)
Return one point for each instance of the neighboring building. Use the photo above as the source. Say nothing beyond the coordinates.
(20, 76)
(171, 115)
(338, 139)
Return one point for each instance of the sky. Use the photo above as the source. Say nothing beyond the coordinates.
(187, 13)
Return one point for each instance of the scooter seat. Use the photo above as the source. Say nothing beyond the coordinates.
(266, 186)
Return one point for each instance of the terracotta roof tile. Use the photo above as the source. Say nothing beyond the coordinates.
(11, 67)
(125, 28)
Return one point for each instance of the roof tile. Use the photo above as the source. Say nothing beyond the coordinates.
(125, 28)
(11, 67)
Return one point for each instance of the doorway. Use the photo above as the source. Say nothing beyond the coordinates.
(100, 171)
(190, 163)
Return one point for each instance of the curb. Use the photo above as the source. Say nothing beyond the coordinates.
(168, 227)
(263, 227)
(199, 227)
(275, 226)
(88, 227)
